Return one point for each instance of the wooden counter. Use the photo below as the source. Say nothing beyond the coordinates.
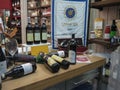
(43, 78)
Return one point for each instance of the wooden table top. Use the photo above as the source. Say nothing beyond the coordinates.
(43, 78)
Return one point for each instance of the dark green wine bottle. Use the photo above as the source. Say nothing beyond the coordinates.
(29, 33)
(36, 32)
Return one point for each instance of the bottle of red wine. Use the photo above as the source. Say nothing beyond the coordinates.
(29, 33)
(22, 58)
(20, 70)
(72, 50)
(3, 64)
(51, 64)
(44, 33)
(63, 63)
(36, 32)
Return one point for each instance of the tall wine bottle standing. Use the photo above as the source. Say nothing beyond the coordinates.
(44, 33)
(113, 29)
(36, 32)
(20, 70)
(72, 50)
(29, 33)
(3, 64)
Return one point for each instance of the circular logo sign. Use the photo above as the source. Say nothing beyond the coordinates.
(70, 12)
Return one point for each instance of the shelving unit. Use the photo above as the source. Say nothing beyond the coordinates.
(33, 10)
(101, 4)
(108, 10)
(16, 18)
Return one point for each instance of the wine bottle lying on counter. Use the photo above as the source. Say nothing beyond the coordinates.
(51, 64)
(22, 58)
(21, 70)
(40, 58)
(63, 63)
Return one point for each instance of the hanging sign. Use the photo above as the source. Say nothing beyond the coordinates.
(69, 17)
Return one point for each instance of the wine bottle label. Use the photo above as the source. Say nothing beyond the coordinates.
(107, 72)
(3, 67)
(72, 56)
(27, 68)
(37, 36)
(61, 53)
(51, 61)
(57, 58)
(29, 36)
(107, 36)
(44, 36)
(103, 73)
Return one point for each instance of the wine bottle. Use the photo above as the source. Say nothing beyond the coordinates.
(63, 63)
(13, 3)
(21, 70)
(36, 32)
(51, 64)
(3, 64)
(44, 33)
(72, 50)
(22, 58)
(113, 29)
(107, 69)
(18, 3)
(107, 33)
(29, 33)
(40, 57)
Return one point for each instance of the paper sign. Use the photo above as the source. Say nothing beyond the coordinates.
(36, 49)
(82, 59)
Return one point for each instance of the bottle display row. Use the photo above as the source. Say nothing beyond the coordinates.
(36, 34)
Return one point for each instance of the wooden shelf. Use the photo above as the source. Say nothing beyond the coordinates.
(47, 16)
(45, 6)
(104, 43)
(101, 4)
(99, 41)
(34, 8)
